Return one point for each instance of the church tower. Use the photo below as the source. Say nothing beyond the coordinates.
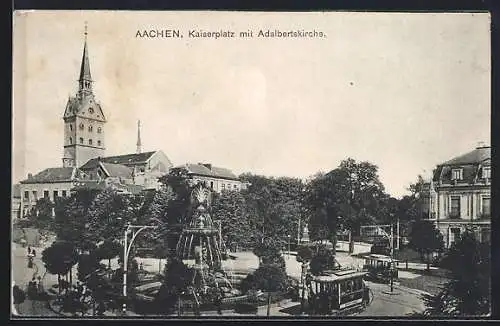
(84, 120)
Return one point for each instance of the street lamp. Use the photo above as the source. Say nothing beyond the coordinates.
(135, 230)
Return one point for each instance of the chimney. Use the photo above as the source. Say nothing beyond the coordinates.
(30, 176)
(208, 166)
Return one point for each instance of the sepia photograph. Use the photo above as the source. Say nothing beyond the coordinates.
(250, 165)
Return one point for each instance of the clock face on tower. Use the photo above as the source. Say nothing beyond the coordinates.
(91, 110)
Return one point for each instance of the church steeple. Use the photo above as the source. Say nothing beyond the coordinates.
(85, 79)
(139, 145)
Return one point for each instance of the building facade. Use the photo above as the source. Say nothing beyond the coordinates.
(460, 195)
(215, 178)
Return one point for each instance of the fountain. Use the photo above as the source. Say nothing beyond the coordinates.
(198, 247)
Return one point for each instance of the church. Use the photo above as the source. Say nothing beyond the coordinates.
(84, 163)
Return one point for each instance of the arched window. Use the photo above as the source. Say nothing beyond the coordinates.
(98, 143)
(70, 140)
(99, 130)
(90, 128)
(81, 140)
(90, 141)
(71, 127)
(81, 126)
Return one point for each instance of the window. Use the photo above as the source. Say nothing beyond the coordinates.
(26, 195)
(64, 194)
(91, 110)
(81, 140)
(455, 207)
(223, 186)
(71, 127)
(485, 208)
(81, 126)
(99, 130)
(456, 174)
(98, 143)
(211, 185)
(56, 194)
(235, 187)
(90, 128)
(90, 141)
(70, 140)
(45, 194)
(35, 196)
(486, 172)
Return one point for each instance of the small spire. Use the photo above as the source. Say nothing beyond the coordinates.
(85, 79)
(85, 33)
(139, 145)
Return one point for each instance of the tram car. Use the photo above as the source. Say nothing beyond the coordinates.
(380, 268)
(337, 292)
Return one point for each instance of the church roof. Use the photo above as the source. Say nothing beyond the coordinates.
(128, 158)
(85, 66)
(52, 175)
(209, 171)
(117, 170)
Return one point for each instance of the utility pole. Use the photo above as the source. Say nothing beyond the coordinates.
(398, 234)
(392, 258)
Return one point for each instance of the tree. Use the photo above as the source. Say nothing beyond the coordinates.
(426, 239)
(323, 259)
(176, 280)
(72, 219)
(269, 278)
(108, 250)
(236, 224)
(59, 259)
(87, 265)
(469, 289)
(19, 296)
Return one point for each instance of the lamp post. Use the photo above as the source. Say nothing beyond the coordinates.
(392, 258)
(135, 230)
(288, 236)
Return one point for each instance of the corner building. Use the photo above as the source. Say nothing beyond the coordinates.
(461, 195)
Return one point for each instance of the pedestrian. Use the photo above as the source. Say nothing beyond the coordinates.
(29, 250)
(39, 283)
(33, 252)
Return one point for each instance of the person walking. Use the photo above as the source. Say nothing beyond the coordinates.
(33, 252)
(29, 250)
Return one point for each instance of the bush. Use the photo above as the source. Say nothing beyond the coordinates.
(245, 308)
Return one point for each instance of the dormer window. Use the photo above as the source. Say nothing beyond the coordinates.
(486, 172)
(457, 174)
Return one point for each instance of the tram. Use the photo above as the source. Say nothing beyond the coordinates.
(380, 268)
(338, 292)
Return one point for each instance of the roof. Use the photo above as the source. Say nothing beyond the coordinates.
(478, 155)
(338, 276)
(52, 175)
(85, 66)
(213, 171)
(128, 158)
(117, 170)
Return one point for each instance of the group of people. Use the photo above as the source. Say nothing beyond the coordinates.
(35, 287)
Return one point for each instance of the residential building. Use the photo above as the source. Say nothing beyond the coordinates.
(216, 178)
(461, 195)
(16, 202)
(49, 183)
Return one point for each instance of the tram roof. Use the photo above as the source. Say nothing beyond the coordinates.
(379, 257)
(340, 275)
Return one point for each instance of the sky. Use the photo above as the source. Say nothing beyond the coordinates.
(405, 91)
